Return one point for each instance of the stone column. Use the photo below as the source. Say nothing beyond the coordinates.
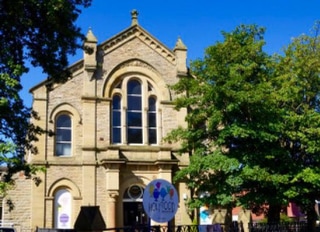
(111, 209)
(49, 204)
(89, 144)
(112, 188)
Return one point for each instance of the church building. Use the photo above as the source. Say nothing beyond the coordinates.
(107, 125)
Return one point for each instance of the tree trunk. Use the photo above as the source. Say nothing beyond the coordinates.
(311, 219)
(274, 214)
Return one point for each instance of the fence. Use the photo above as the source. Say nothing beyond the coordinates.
(181, 228)
(253, 227)
(279, 227)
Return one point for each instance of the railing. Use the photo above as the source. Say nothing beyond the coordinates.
(278, 227)
(181, 228)
(234, 227)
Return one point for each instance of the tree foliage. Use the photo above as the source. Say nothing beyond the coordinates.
(43, 33)
(253, 123)
(299, 71)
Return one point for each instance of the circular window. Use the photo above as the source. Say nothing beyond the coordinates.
(135, 192)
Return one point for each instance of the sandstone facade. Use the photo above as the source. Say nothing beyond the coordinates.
(93, 161)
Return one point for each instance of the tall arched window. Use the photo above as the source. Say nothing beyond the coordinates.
(62, 209)
(116, 119)
(63, 135)
(152, 121)
(134, 112)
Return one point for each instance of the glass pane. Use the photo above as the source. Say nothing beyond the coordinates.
(63, 135)
(152, 136)
(152, 104)
(134, 103)
(134, 135)
(116, 118)
(63, 121)
(58, 136)
(63, 149)
(134, 87)
(116, 102)
(134, 119)
(152, 120)
(116, 135)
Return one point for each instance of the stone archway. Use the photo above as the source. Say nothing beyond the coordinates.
(62, 189)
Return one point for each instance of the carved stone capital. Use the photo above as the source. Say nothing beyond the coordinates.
(113, 196)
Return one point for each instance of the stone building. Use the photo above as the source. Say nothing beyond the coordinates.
(107, 124)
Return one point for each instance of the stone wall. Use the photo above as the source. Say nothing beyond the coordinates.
(19, 196)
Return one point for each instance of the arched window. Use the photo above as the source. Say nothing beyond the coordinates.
(116, 119)
(152, 121)
(63, 135)
(134, 112)
(62, 209)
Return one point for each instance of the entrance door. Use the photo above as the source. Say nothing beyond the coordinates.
(133, 212)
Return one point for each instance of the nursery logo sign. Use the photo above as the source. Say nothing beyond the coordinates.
(160, 200)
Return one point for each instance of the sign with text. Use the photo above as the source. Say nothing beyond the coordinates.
(160, 200)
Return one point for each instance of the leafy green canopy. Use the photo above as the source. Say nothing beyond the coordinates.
(252, 122)
(298, 73)
(42, 32)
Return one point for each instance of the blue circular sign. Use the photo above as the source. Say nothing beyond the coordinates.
(160, 200)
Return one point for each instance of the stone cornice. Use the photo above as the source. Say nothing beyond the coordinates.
(136, 148)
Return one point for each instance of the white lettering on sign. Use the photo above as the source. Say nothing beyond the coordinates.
(160, 200)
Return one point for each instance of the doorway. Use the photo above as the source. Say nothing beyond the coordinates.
(133, 212)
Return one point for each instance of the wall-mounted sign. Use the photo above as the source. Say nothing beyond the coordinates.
(160, 200)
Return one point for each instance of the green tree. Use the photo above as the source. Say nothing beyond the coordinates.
(43, 33)
(299, 70)
(233, 125)
(253, 124)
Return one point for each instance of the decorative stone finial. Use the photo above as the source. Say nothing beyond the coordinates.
(134, 17)
(90, 36)
(180, 45)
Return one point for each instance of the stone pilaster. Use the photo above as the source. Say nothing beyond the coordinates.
(112, 202)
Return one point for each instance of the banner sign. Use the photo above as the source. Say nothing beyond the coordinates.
(160, 200)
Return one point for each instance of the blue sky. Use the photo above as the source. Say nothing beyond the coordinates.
(198, 23)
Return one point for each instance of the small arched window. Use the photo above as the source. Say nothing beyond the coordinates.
(63, 135)
(116, 119)
(152, 121)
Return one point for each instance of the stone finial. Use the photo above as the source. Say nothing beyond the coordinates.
(180, 51)
(180, 45)
(90, 37)
(90, 50)
(134, 17)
